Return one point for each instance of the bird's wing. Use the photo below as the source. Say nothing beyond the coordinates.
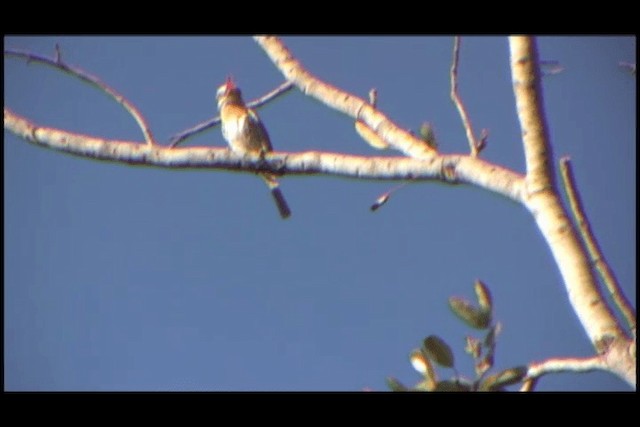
(260, 129)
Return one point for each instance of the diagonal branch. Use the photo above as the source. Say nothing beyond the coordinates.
(562, 365)
(544, 202)
(83, 75)
(340, 100)
(365, 132)
(201, 127)
(597, 257)
(475, 146)
(527, 88)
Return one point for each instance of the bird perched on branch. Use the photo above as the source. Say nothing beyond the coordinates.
(244, 132)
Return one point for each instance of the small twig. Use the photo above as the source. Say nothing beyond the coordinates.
(550, 67)
(565, 364)
(280, 90)
(484, 139)
(373, 97)
(58, 54)
(368, 134)
(629, 66)
(475, 147)
(82, 75)
(201, 127)
(595, 253)
(529, 384)
(384, 198)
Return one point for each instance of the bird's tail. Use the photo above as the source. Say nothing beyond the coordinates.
(278, 197)
(281, 203)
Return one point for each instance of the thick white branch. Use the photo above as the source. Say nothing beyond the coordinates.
(444, 168)
(543, 200)
(343, 101)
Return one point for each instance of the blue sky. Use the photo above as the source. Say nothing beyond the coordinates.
(136, 278)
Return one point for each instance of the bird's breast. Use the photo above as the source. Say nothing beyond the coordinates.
(240, 133)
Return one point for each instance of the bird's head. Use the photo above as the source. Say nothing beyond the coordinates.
(227, 87)
(228, 93)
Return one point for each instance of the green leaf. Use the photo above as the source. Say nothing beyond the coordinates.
(430, 374)
(490, 338)
(473, 346)
(425, 385)
(505, 378)
(472, 316)
(484, 296)
(418, 361)
(428, 135)
(488, 383)
(438, 351)
(421, 363)
(450, 385)
(395, 385)
(484, 365)
(512, 376)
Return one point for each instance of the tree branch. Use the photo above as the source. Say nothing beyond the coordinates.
(537, 190)
(527, 88)
(474, 145)
(543, 201)
(365, 132)
(562, 365)
(83, 75)
(589, 239)
(448, 169)
(351, 105)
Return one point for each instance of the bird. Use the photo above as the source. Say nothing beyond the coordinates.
(245, 133)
